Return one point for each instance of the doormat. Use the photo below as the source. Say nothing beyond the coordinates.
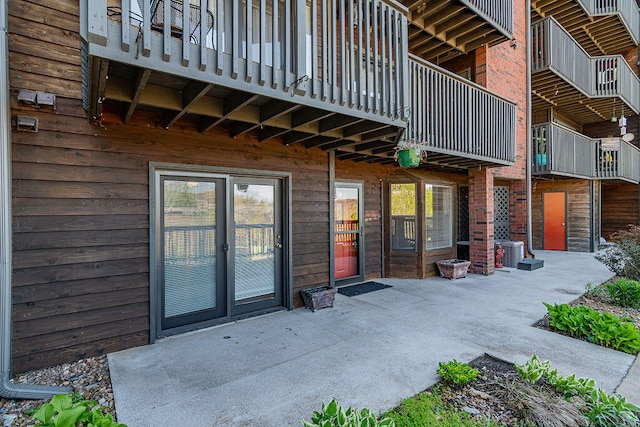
(362, 288)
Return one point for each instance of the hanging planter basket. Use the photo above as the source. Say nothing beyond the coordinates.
(409, 157)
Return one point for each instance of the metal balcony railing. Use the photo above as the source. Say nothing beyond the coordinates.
(628, 10)
(347, 56)
(556, 149)
(452, 115)
(498, 12)
(561, 151)
(621, 164)
(596, 77)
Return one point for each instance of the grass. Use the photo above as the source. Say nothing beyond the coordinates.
(427, 409)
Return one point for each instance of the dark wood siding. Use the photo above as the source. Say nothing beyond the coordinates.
(619, 207)
(370, 176)
(578, 212)
(81, 208)
(81, 200)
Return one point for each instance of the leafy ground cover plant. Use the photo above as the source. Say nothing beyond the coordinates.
(600, 409)
(605, 328)
(454, 372)
(624, 292)
(623, 257)
(427, 409)
(334, 415)
(69, 410)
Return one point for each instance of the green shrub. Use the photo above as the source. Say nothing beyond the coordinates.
(625, 292)
(605, 328)
(454, 372)
(67, 410)
(333, 415)
(623, 257)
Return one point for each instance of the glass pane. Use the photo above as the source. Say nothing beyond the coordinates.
(189, 222)
(346, 209)
(403, 216)
(347, 227)
(254, 216)
(439, 218)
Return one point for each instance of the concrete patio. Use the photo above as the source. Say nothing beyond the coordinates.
(371, 351)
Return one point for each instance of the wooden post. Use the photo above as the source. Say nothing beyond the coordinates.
(97, 22)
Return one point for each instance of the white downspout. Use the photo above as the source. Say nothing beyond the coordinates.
(8, 389)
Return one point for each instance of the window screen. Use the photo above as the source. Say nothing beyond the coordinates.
(438, 216)
(403, 216)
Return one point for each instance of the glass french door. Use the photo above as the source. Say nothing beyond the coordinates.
(219, 247)
(193, 243)
(347, 230)
(258, 239)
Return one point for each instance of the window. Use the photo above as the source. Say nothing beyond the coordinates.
(438, 216)
(403, 217)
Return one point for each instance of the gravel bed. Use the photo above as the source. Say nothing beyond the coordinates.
(89, 377)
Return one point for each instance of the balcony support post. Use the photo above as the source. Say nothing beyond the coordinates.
(301, 48)
(96, 21)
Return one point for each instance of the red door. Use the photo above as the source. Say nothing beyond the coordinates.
(555, 220)
(347, 230)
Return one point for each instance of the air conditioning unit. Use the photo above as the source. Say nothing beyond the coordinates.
(513, 252)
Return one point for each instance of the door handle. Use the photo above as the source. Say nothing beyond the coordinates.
(563, 224)
(279, 245)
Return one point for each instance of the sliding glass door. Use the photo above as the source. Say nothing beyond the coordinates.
(219, 247)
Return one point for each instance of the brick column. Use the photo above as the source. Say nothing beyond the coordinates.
(481, 217)
(518, 212)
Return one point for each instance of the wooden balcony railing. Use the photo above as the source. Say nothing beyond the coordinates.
(558, 150)
(346, 56)
(498, 12)
(452, 115)
(602, 76)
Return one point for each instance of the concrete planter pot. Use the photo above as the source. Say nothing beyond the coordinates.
(320, 297)
(453, 268)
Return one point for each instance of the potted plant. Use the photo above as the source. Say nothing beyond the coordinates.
(409, 153)
(541, 157)
(318, 297)
(453, 268)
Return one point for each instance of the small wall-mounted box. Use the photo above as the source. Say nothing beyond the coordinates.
(36, 99)
(48, 99)
(28, 97)
(26, 124)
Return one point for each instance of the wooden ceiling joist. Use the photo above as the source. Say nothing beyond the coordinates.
(233, 102)
(192, 92)
(142, 78)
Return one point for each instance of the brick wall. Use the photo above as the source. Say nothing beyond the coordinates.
(460, 63)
